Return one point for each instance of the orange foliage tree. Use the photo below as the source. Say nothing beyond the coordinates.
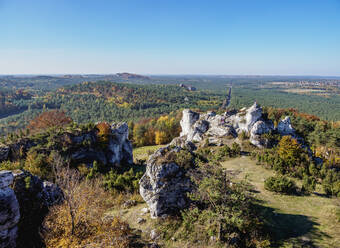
(103, 132)
(48, 119)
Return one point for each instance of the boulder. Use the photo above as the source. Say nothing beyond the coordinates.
(246, 118)
(183, 143)
(51, 194)
(259, 128)
(285, 127)
(164, 185)
(9, 211)
(4, 151)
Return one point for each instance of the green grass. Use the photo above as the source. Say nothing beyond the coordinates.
(143, 153)
(293, 219)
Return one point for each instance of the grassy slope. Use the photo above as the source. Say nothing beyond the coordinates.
(296, 219)
(143, 153)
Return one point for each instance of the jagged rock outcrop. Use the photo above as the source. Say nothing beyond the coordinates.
(164, 184)
(23, 207)
(189, 118)
(215, 128)
(80, 147)
(284, 127)
(9, 211)
(259, 128)
(120, 147)
(246, 118)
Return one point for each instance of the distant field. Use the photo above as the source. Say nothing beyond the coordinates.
(297, 219)
(302, 91)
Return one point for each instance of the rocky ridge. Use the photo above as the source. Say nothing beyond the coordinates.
(164, 185)
(81, 147)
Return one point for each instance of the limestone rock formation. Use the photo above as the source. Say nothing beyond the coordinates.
(82, 147)
(164, 184)
(9, 211)
(196, 127)
(285, 127)
(188, 120)
(118, 151)
(120, 148)
(23, 208)
(259, 128)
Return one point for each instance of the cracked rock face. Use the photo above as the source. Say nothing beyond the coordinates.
(196, 127)
(9, 211)
(285, 127)
(22, 209)
(164, 185)
(120, 148)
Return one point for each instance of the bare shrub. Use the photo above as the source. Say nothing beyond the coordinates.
(80, 220)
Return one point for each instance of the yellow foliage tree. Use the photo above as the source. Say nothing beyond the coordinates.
(161, 138)
(289, 150)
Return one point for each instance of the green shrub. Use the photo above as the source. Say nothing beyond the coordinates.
(308, 184)
(8, 165)
(127, 181)
(235, 149)
(280, 184)
(184, 159)
(331, 183)
(220, 210)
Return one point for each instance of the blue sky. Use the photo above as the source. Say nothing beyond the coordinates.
(262, 37)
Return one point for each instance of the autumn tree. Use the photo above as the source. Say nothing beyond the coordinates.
(104, 130)
(48, 119)
(80, 220)
(289, 149)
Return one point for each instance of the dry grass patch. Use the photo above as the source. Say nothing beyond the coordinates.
(297, 217)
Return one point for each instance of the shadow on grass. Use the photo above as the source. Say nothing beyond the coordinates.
(321, 195)
(294, 229)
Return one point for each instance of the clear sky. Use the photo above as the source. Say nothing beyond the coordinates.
(282, 37)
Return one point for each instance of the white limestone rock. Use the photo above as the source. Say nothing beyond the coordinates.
(188, 119)
(164, 185)
(9, 211)
(120, 148)
(285, 127)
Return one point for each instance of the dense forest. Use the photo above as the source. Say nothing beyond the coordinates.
(134, 97)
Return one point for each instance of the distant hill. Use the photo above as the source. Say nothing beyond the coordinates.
(127, 75)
